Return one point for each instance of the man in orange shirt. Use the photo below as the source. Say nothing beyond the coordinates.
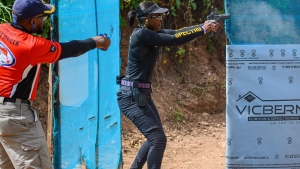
(22, 140)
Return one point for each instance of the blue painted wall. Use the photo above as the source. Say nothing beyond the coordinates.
(87, 121)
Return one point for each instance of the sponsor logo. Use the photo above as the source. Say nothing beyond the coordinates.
(266, 109)
(258, 110)
(256, 157)
(7, 59)
(269, 109)
(292, 156)
(185, 33)
(257, 67)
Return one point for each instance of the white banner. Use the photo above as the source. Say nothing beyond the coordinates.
(263, 106)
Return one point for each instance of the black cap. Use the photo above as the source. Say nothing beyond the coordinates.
(25, 9)
(152, 9)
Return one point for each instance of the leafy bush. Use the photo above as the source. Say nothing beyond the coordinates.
(5, 11)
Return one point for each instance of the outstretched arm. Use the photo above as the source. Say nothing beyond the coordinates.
(178, 37)
(151, 38)
(173, 32)
(78, 47)
(46, 51)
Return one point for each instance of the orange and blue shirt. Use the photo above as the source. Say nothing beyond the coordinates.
(21, 55)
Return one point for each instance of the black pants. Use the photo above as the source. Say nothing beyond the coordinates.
(146, 119)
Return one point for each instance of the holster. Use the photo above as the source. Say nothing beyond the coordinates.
(140, 98)
(118, 79)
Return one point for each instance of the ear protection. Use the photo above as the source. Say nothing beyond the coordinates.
(146, 22)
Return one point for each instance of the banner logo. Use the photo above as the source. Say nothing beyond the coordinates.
(259, 109)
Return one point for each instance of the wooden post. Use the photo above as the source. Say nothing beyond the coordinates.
(50, 120)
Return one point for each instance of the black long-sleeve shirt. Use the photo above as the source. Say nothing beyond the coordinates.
(143, 48)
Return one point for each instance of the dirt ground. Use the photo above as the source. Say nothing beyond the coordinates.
(190, 146)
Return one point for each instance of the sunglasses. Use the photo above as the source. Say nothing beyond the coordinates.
(44, 17)
(156, 17)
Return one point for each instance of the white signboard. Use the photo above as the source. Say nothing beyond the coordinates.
(263, 106)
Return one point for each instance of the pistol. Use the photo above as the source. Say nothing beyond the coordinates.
(216, 18)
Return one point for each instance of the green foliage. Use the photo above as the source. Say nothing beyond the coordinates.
(223, 86)
(208, 44)
(7, 2)
(5, 11)
(178, 115)
(201, 90)
(180, 51)
(47, 27)
(208, 5)
(175, 5)
(122, 21)
(168, 49)
(193, 4)
(131, 4)
(180, 103)
(181, 79)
